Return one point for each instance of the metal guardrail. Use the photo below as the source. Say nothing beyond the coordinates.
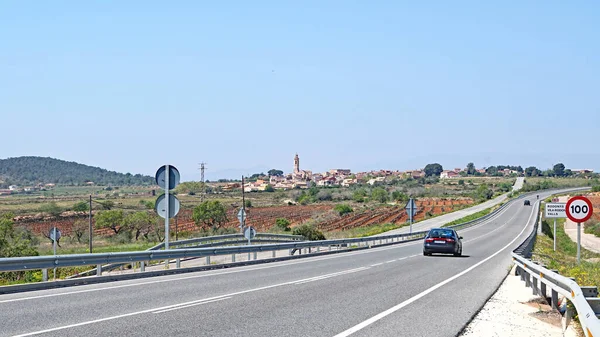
(205, 241)
(98, 259)
(584, 298)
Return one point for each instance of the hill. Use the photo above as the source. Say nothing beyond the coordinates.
(24, 171)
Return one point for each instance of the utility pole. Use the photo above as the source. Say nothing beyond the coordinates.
(202, 168)
(91, 228)
(243, 206)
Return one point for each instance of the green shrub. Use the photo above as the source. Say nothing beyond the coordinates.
(343, 209)
(283, 224)
(310, 232)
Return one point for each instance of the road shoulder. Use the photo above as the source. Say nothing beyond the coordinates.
(514, 311)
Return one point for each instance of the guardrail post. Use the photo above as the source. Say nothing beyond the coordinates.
(527, 279)
(543, 289)
(274, 253)
(45, 275)
(143, 266)
(248, 256)
(178, 263)
(319, 249)
(232, 258)
(255, 255)
(534, 287)
(99, 270)
(208, 260)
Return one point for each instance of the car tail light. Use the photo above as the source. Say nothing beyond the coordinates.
(429, 240)
(449, 240)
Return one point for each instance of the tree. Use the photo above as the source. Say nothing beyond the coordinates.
(81, 207)
(359, 195)
(15, 242)
(139, 222)
(471, 169)
(112, 219)
(269, 188)
(275, 173)
(433, 170)
(483, 192)
(559, 170)
(211, 213)
(380, 194)
(399, 196)
(80, 228)
(532, 171)
(191, 187)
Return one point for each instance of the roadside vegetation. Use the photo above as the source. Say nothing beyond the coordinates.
(564, 259)
(593, 228)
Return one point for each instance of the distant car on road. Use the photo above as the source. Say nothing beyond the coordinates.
(526, 203)
(442, 240)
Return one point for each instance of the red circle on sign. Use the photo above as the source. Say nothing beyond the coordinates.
(585, 200)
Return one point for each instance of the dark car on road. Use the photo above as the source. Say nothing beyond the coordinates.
(526, 203)
(442, 240)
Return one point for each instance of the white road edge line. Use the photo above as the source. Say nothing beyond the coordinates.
(393, 309)
(191, 305)
(376, 264)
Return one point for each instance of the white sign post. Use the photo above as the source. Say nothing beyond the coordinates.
(579, 209)
(555, 210)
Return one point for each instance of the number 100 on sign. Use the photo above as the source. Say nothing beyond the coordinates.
(579, 209)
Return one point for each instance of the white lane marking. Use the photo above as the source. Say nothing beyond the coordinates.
(178, 305)
(276, 265)
(390, 261)
(191, 305)
(376, 264)
(393, 309)
(318, 278)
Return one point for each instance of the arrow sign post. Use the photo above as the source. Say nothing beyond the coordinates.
(242, 217)
(411, 210)
(167, 177)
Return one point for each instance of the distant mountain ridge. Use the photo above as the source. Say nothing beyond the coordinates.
(33, 170)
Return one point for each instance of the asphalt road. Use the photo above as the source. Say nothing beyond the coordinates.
(388, 291)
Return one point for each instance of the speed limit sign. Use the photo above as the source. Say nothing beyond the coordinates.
(579, 209)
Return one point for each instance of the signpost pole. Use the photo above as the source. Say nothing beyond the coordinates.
(167, 208)
(54, 244)
(554, 235)
(578, 242)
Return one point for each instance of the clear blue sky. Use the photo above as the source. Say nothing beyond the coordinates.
(244, 85)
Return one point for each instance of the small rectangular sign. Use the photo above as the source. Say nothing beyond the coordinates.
(556, 210)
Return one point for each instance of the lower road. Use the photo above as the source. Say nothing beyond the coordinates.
(387, 291)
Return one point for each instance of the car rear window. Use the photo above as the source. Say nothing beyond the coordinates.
(441, 233)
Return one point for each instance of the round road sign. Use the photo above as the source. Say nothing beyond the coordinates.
(161, 175)
(250, 233)
(579, 209)
(58, 234)
(161, 206)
